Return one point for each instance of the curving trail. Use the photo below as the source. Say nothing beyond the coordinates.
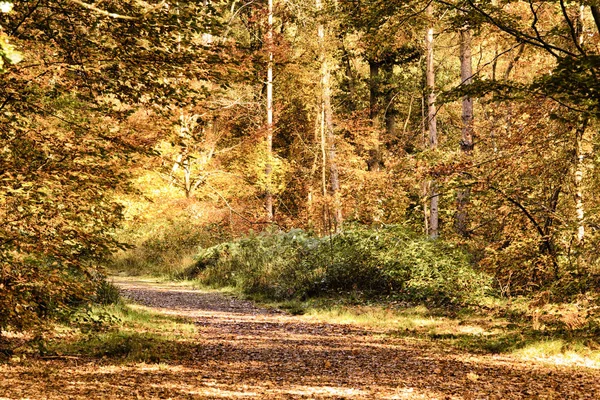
(242, 351)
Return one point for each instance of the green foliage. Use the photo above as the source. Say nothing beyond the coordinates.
(90, 320)
(34, 291)
(390, 261)
(67, 140)
(124, 333)
(107, 293)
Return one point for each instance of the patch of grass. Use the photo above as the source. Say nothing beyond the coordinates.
(561, 351)
(496, 327)
(107, 293)
(133, 334)
(126, 346)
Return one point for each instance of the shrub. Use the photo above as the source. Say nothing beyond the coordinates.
(34, 291)
(107, 293)
(389, 261)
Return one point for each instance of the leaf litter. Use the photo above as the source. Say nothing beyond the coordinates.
(241, 351)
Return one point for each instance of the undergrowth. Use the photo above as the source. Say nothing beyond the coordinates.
(389, 262)
(123, 333)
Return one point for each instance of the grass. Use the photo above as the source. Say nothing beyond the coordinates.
(132, 334)
(550, 332)
(498, 327)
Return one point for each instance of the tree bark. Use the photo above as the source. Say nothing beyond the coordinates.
(596, 15)
(432, 124)
(374, 163)
(328, 136)
(269, 144)
(389, 109)
(466, 144)
(579, 209)
(373, 91)
(334, 179)
(579, 152)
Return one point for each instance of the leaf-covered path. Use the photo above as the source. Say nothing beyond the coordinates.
(241, 351)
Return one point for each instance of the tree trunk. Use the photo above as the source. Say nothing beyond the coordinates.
(389, 110)
(579, 152)
(596, 15)
(432, 124)
(466, 144)
(313, 171)
(327, 133)
(374, 163)
(373, 91)
(333, 169)
(579, 209)
(269, 150)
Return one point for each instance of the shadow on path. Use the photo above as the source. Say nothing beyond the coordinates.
(241, 351)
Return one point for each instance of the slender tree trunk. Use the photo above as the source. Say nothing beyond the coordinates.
(373, 91)
(390, 113)
(323, 134)
(269, 150)
(466, 143)
(432, 124)
(187, 176)
(513, 62)
(374, 162)
(425, 184)
(346, 61)
(313, 170)
(334, 179)
(579, 209)
(328, 137)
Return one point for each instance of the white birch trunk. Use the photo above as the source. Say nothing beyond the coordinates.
(432, 124)
(269, 144)
(579, 172)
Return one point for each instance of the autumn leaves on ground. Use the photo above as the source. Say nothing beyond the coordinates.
(173, 341)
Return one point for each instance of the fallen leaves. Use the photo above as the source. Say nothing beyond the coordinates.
(240, 351)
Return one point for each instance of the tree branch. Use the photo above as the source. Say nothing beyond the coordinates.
(571, 27)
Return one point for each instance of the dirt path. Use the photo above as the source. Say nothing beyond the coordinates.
(245, 352)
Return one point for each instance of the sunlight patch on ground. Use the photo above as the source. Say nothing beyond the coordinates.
(553, 352)
(211, 389)
(412, 394)
(331, 391)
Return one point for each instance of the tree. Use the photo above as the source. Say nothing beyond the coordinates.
(432, 122)
(327, 133)
(66, 140)
(466, 142)
(269, 140)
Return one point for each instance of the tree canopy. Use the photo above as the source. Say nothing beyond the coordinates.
(116, 113)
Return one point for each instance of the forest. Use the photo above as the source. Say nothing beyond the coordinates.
(398, 153)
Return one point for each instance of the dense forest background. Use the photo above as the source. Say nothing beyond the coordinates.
(451, 144)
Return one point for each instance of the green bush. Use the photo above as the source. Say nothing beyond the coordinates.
(389, 261)
(90, 320)
(107, 293)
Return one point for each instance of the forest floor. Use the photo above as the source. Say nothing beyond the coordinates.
(179, 342)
